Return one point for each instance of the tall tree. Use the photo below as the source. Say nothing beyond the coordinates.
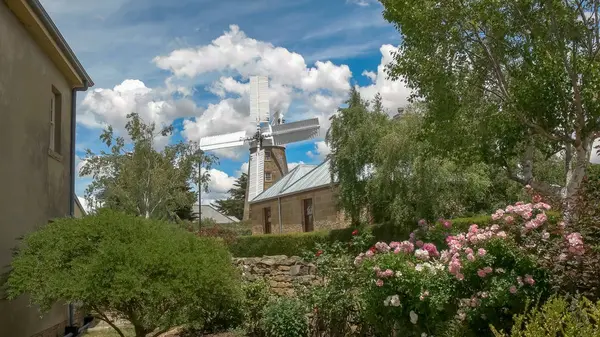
(505, 79)
(353, 134)
(234, 205)
(140, 180)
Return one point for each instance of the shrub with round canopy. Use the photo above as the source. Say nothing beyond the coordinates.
(147, 272)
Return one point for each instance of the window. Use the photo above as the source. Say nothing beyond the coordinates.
(307, 215)
(267, 155)
(267, 219)
(55, 120)
(268, 176)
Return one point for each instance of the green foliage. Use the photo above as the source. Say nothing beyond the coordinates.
(292, 244)
(256, 298)
(137, 179)
(353, 130)
(384, 167)
(295, 244)
(148, 272)
(234, 205)
(507, 82)
(285, 317)
(557, 317)
(441, 302)
(336, 310)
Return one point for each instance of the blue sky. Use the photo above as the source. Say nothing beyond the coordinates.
(187, 63)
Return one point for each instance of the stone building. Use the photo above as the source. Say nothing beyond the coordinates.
(304, 200)
(275, 167)
(39, 79)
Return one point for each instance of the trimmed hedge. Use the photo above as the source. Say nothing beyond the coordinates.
(292, 244)
(295, 244)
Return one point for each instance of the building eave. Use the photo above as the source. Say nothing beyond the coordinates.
(283, 195)
(38, 23)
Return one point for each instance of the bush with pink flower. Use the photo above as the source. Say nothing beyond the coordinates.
(483, 276)
(480, 279)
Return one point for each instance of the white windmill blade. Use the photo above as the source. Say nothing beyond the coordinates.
(259, 98)
(222, 141)
(256, 174)
(295, 131)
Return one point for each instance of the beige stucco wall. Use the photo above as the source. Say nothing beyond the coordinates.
(35, 186)
(325, 212)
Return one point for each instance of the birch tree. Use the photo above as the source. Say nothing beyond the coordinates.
(138, 179)
(505, 79)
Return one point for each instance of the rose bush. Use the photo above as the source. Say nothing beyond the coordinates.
(482, 277)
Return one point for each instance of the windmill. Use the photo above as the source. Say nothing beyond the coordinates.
(271, 134)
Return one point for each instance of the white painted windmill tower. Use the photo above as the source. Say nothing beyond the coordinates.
(267, 151)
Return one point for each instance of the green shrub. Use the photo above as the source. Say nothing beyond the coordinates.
(148, 272)
(285, 317)
(557, 318)
(293, 244)
(336, 310)
(256, 298)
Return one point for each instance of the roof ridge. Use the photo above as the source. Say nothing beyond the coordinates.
(289, 174)
(307, 173)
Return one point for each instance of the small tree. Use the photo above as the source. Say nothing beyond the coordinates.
(142, 180)
(147, 272)
(234, 205)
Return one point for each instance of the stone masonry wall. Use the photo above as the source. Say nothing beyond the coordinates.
(326, 214)
(280, 272)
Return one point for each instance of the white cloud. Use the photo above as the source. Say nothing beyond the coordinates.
(243, 169)
(298, 90)
(320, 152)
(291, 166)
(394, 93)
(362, 3)
(102, 107)
(219, 185)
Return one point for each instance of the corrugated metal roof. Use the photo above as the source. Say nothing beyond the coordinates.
(302, 180)
(318, 177)
(210, 212)
(272, 192)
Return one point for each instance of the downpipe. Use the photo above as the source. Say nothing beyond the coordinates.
(72, 330)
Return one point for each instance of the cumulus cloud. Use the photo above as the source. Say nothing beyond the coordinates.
(291, 166)
(320, 152)
(393, 93)
(324, 85)
(297, 89)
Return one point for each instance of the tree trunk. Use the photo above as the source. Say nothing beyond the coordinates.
(576, 170)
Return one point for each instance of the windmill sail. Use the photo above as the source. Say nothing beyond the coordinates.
(256, 174)
(223, 141)
(259, 98)
(295, 131)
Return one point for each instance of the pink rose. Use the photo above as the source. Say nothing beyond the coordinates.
(481, 252)
(529, 280)
(481, 273)
(488, 270)
(379, 283)
(471, 257)
(513, 289)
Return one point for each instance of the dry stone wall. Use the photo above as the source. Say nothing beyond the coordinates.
(280, 272)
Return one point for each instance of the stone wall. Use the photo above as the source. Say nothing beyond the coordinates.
(280, 272)
(326, 214)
